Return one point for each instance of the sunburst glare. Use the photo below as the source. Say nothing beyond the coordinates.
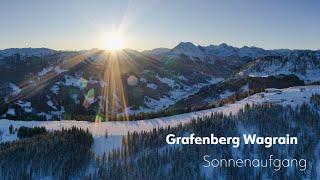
(113, 41)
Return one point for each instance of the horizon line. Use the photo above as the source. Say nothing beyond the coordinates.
(161, 47)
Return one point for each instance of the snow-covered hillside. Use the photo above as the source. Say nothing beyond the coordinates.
(291, 96)
(164, 77)
(26, 52)
(158, 52)
(303, 63)
(68, 76)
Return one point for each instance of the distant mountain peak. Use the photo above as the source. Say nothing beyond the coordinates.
(224, 45)
(188, 49)
(186, 44)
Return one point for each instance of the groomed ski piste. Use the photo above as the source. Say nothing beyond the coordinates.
(290, 96)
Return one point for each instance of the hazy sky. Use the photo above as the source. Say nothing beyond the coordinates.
(81, 24)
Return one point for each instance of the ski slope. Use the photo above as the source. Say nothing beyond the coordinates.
(291, 96)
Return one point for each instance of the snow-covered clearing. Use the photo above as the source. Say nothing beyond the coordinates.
(311, 75)
(290, 96)
(174, 96)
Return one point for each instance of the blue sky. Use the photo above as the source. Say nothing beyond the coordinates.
(81, 24)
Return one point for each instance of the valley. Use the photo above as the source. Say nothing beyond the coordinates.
(111, 99)
(95, 85)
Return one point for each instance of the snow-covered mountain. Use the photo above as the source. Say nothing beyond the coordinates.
(190, 50)
(210, 52)
(221, 51)
(26, 52)
(51, 84)
(303, 63)
(76, 83)
(290, 96)
(80, 86)
(158, 52)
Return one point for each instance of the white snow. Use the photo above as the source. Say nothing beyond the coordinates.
(245, 88)
(49, 115)
(308, 72)
(15, 89)
(258, 75)
(225, 94)
(81, 83)
(102, 83)
(309, 76)
(58, 70)
(290, 96)
(11, 111)
(212, 51)
(92, 81)
(25, 105)
(181, 77)
(55, 89)
(188, 49)
(174, 95)
(142, 79)
(45, 71)
(50, 104)
(169, 82)
(178, 91)
(152, 86)
(154, 104)
(75, 99)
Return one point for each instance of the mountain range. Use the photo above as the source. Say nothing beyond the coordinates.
(45, 84)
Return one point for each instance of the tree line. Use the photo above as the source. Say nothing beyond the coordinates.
(146, 155)
(59, 154)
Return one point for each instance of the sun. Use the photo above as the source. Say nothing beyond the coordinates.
(113, 41)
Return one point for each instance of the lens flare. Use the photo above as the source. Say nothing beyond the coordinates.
(132, 81)
(113, 41)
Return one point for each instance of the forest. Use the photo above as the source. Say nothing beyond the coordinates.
(58, 154)
(68, 153)
(146, 155)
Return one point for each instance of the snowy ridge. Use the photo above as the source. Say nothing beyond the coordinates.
(174, 95)
(26, 52)
(212, 51)
(188, 49)
(291, 96)
(304, 64)
(157, 52)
